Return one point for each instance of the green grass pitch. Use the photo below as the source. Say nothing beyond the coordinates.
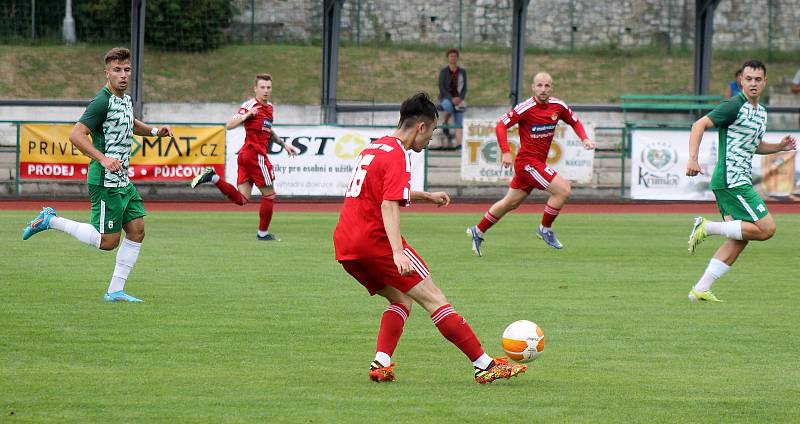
(235, 330)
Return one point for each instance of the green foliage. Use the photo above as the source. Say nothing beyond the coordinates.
(188, 25)
(235, 330)
(103, 20)
(184, 25)
(15, 20)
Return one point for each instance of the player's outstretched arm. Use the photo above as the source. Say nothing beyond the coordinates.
(291, 151)
(239, 118)
(439, 198)
(787, 143)
(140, 128)
(695, 137)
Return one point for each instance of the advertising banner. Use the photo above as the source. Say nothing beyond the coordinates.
(658, 167)
(47, 153)
(480, 153)
(325, 160)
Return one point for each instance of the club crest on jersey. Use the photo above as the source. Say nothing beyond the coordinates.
(554, 117)
(267, 124)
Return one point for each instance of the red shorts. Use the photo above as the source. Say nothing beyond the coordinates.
(378, 272)
(530, 175)
(255, 168)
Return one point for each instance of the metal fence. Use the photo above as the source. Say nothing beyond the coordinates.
(596, 50)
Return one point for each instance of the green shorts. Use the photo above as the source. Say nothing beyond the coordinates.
(113, 207)
(741, 203)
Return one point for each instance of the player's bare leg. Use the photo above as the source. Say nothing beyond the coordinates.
(455, 329)
(559, 190)
(245, 189)
(726, 255)
(512, 200)
(391, 328)
(761, 230)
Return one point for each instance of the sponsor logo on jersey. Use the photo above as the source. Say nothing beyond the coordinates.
(543, 131)
(266, 124)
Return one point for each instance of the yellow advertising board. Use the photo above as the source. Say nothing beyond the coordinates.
(47, 153)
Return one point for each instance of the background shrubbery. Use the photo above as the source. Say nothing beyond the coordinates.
(182, 25)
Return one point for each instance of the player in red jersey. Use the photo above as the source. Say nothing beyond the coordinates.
(537, 118)
(254, 165)
(369, 245)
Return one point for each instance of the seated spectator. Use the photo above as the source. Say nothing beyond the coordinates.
(452, 92)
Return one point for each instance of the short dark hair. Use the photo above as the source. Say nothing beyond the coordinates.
(452, 51)
(416, 108)
(119, 54)
(264, 77)
(738, 72)
(755, 64)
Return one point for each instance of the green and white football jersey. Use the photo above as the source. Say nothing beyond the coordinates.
(110, 119)
(741, 128)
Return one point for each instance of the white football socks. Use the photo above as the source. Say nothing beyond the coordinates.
(383, 359)
(214, 178)
(83, 232)
(729, 229)
(716, 269)
(127, 254)
(483, 362)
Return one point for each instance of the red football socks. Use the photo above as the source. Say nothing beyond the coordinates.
(392, 323)
(550, 214)
(265, 212)
(455, 328)
(487, 222)
(230, 192)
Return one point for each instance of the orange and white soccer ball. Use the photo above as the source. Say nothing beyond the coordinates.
(523, 341)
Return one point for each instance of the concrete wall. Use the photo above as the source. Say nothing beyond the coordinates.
(550, 23)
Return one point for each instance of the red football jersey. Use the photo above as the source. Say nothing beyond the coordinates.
(383, 172)
(537, 124)
(257, 129)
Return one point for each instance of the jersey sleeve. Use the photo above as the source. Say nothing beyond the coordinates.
(725, 114)
(95, 113)
(508, 120)
(568, 116)
(242, 110)
(397, 178)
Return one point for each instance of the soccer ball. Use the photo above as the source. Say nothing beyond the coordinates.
(523, 341)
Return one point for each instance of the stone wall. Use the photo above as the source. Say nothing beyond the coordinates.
(550, 23)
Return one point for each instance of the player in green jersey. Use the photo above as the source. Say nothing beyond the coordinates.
(742, 122)
(116, 205)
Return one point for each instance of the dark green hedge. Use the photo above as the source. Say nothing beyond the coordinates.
(181, 25)
(188, 25)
